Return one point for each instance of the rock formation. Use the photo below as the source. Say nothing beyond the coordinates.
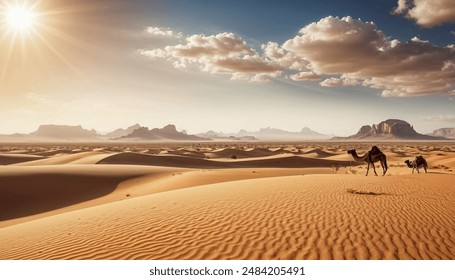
(64, 132)
(168, 132)
(444, 132)
(122, 132)
(389, 129)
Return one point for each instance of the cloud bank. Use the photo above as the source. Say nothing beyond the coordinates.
(427, 13)
(353, 52)
(334, 51)
(223, 53)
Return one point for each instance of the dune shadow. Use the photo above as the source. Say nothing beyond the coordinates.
(28, 194)
(188, 162)
(12, 159)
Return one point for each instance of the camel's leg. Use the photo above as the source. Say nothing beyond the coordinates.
(417, 169)
(385, 164)
(425, 167)
(370, 160)
(368, 168)
(374, 169)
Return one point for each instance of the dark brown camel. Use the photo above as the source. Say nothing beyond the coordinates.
(370, 157)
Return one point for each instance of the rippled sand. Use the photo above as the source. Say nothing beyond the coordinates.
(280, 201)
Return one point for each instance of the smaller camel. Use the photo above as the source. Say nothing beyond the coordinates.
(419, 162)
(370, 157)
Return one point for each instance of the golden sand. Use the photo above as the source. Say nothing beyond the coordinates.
(306, 201)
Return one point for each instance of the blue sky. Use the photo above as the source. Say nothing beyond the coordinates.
(279, 20)
(230, 65)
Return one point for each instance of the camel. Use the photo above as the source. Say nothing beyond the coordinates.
(370, 157)
(419, 162)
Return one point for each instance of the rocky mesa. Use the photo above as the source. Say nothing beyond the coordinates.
(169, 132)
(391, 129)
(448, 132)
(64, 132)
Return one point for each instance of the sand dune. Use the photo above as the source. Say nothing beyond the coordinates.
(74, 158)
(284, 161)
(238, 153)
(6, 159)
(192, 178)
(274, 218)
(54, 152)
(274, 201)
(28, 191)
(131, 158)
(320, 153)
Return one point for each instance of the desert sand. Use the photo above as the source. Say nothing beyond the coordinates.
(224, 201)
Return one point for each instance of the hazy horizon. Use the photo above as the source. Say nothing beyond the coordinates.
(227, 65)
(179, 129)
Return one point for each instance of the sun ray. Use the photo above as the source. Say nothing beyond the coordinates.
(57, 53)
(27, 33)
(8, 57)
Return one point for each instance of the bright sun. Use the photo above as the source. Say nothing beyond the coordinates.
(20, 18)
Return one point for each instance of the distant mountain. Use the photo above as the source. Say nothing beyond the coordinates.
(220, 136)
(16, 137)
(121, 132)
(168, 132)
(51, 132)
(391, 129)
(268, 134)
(279, 134)
(224, 137)
(444, 132)
(64, 132)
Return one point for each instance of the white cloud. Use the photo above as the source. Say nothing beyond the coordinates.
(156, 53)
(427, 13)
(337, 82)
(305, 76)
(401, 8)
(284, 58)
(355, 52)
(220, 45)
(164, 32)
(347, 51)
(331, 82)
(223, 53)
(335, 45)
